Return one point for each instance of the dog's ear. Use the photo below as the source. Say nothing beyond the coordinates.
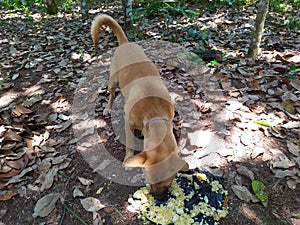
(136, 160)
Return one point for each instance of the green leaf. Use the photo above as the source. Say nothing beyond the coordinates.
(297, 216)
(261, 192)
(263, 123)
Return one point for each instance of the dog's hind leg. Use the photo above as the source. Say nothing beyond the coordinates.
(129, 133)
(113, 83)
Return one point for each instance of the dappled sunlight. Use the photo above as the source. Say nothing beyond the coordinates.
(237, 118)
(8, 97)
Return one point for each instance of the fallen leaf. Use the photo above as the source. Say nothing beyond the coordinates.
(77, 193)
(293, 148)
(284, 173)
(85, 181)
(58, 160)
(91, 204)
(283, 162)
(45, 205)
(263, 123)
(18, 164)
(63, 126)
(243, 170)
(7, 195)
(49, 178)
(10, 173)
(18, 178)
(292, 184)
(99, 191)
(11, 135)
(254, 84)
(39, 68)
(23, 110)
(243, 193)
(260, 191)
(295, 84)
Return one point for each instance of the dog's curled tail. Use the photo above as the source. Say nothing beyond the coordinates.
(105, 20)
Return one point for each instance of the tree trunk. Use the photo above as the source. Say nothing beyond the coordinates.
(127, 7)
(262, 9)
(51, 7)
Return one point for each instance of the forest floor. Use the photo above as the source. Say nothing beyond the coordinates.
(236, 117)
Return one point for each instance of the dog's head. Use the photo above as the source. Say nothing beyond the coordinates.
(159, 172)
(159, 160)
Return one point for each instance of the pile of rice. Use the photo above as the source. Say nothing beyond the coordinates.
(194, 198)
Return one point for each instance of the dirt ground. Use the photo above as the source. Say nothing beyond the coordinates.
(52, 57)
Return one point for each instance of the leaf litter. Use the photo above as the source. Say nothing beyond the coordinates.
(260, 105)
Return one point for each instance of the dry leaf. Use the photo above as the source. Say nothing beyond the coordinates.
(63, 126)
(284, 173)
(22, 110)
(85, 182)
(283, 163)
(19, 163)
(243, 193)
(77, 193)
(10, 173)
(12, 136)
(58, 160)
(49, 178)
(91, 204)
(295, 84)
(39, 68)
(254, 84)
(45, 205)
(18, 178)
(243, 170)
(7, 195)
(293, 148)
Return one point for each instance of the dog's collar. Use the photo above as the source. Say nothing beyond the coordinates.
(156, 120)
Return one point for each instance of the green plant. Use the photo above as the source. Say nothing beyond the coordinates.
(212, 63)
(283, 5)
(293, 21)
(68, 5)
(294, 72)
(30, 20)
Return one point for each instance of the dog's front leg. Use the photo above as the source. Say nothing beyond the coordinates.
(129, 133)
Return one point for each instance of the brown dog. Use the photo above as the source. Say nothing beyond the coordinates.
(148, 108)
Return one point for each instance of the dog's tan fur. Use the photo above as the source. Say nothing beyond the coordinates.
(154, 103)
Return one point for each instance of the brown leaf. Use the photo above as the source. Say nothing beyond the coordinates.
(22, 109)
(40, 68)
(12, 136)
(8, 146)
(18, 164)
(254, 84)
(9, 174)
(295, 84)
(49, 179)
(7, 195)
(243, 170)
